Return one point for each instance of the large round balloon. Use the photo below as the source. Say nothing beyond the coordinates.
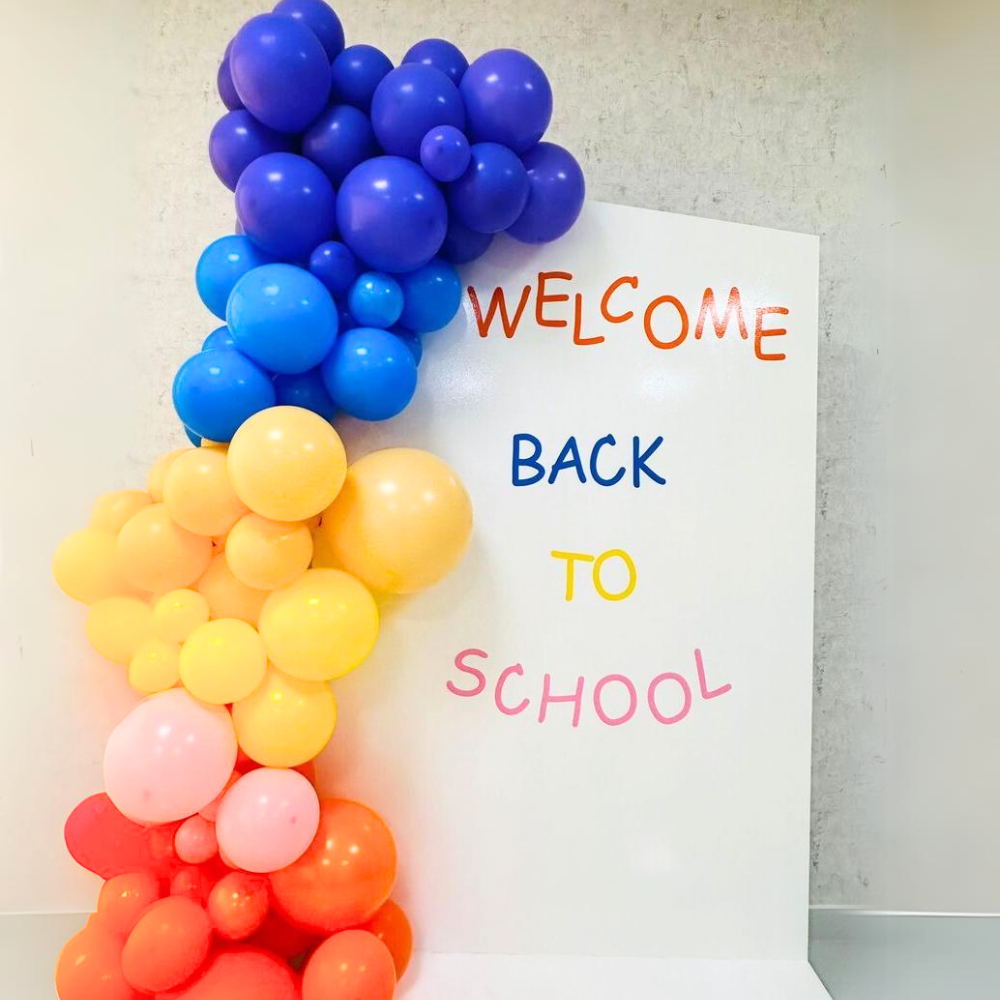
(352, 964)
(221, 264)
(320, 18)
(224, 83)
(199, 496)
(441, 55)
(410, 101)
(431, 296)
(155, 553)
(123, 898)
(355, 74)
(339, 140)
(236, 140)
(238, 905)
(90, 967)
(370, 374)
(555, 195)
(492, 192)
(244, 974)
(167, 945)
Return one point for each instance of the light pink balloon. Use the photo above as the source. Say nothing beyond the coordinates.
(267, 819)
(169, 757)
(195, 840)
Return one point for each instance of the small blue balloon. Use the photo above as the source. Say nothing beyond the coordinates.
(431, 296)
(305, 390)
(370, 373)
(320, 18)
(215, 391)
(192, 437)
(463, 245)
(408, 102)
(555, 197)
(221, 265)
(224, 82)
(445, 153)
(283, 318)
(492, 192)
(334, 265)
(286, 205)
(375, 300)
(355, 74)
(412, 341)
(344, 319)
(339, 140)
(219, 340)
(237, 139)
(441, 55)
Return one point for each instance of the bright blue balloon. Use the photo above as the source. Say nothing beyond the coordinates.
(320, 18)
(492, 193)
(219, 340)
(215, 391)
(281, 72)
(375, 300)
(339, 140)
(441, 55)
(286, 205)
(237, 139)
(224, 82)
(283, 318)
(431, 296)
(221, 265)
(370, 373)
(412, 341)
(408, 102)
(445, 153)
(334, 265)
(391, 214)
(192, 437)
(306, 390)
(462, 245)
(508, 99)
(355, 74)
(557, 190)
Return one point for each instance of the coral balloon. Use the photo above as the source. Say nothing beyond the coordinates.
(391, 926)
(195, 841)
(155, 666)
(85, 566)
(238, 905)
(155, 553)
(266, 554)
(178, 613)
(198, 494)
(352, 965)
(282, 938)
(167, 945)
(226, 596)
(244, 974)
(118, 626)
(90, 967)
(222, 661)
(112, 510)
(123, 899)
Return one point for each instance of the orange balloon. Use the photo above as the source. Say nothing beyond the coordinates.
(392, 928)
(277, 935)
(346, 874)
(123, 898)
(90, 967)
(156, 554)
(167, 945)
(351, 965)
(238, 904)
(244, 974)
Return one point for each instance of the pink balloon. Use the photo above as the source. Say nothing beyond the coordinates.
(169, 757)
(195, 840)
(267, 819)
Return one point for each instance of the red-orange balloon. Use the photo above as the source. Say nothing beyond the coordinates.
(238, 904)
(283, 938)
(392, 928)
(244, 974)
(351, 965)
(167, 945)
(90, 967)
(346, 874)
(123, 898)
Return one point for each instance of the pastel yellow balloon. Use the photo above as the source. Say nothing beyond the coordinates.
(267, 554)
(112, 510)
(118, 626)
(226, 596)
(156, 554)
(198, 493)
(286, 721)
(401, 522)
(178, 613)
(321, 626)
(155, 666)
(85, 566)
(158, 473)
(286, 463)
(222, 661)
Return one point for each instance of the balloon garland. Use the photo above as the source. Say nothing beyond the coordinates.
(240, 582)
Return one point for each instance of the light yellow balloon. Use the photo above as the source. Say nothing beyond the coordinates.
(112, 510)
(155, 666)
(319, 627)
(198, 493)
(226, 596)
(158, 473)
(401, 522)
(178, 613)
(222, 661)
(266, 554)
(287, 463)
(85, 566)
(118, 626)
(286, 721)
(156, 554)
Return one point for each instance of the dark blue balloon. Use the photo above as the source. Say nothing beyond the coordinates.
(334, 265)
(508, 99)
(345, 319)
(218, 340)
(391, 214)
(463, 245)
(431, 296)
(555, 197)
(441, 55)
(281, 72)
(306, 390)
(339, 140)
(370, 373)
(355, 74)
(286, 205)
(320, 18)
(237, 139)
(408, 102)
(492, 193)
(224, 82)
(375, 300)
(215, 391)
(192, 437)
(445, 153)
(222, 263)
(412, 341)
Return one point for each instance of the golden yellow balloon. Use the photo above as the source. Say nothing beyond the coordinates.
(323, 554)
(226, 596)
(319, 627)
(198, 493)
(267, 554)
(118, 626)
(158, 473)
(156, 554)
(85, 566)
(112, 510)
(286, 721)
(402, 520)
(287, 463)
(222, 661)
(155, 666)
(178, 613)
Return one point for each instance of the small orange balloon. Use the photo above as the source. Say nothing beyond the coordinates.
(156, 554)
(392, 928)
(226, 596)
(244, 974)
(90, 967)
(167, 945)
(351, 965)
(238, 904)
(123, 898)
(282, 938)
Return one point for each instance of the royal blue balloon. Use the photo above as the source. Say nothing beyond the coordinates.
(462, 245)
(345, 319)
(431, 295)
(355, 74)
(320, 18)
(283, 318)
(215, 391)
(508, 99)
(218, 340)
(286, 205)
(339, 140)
(408, 102)
(555, 197)
(441, 55)
(375, 300)
(391, 214)
(281, 72)
(492, 192)
(334, 265)
(222, 263)
(445, 153)
(224, 82)
(370, 373)
(192, 437)
(306, 390)
(412, 341)
(237, 139)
